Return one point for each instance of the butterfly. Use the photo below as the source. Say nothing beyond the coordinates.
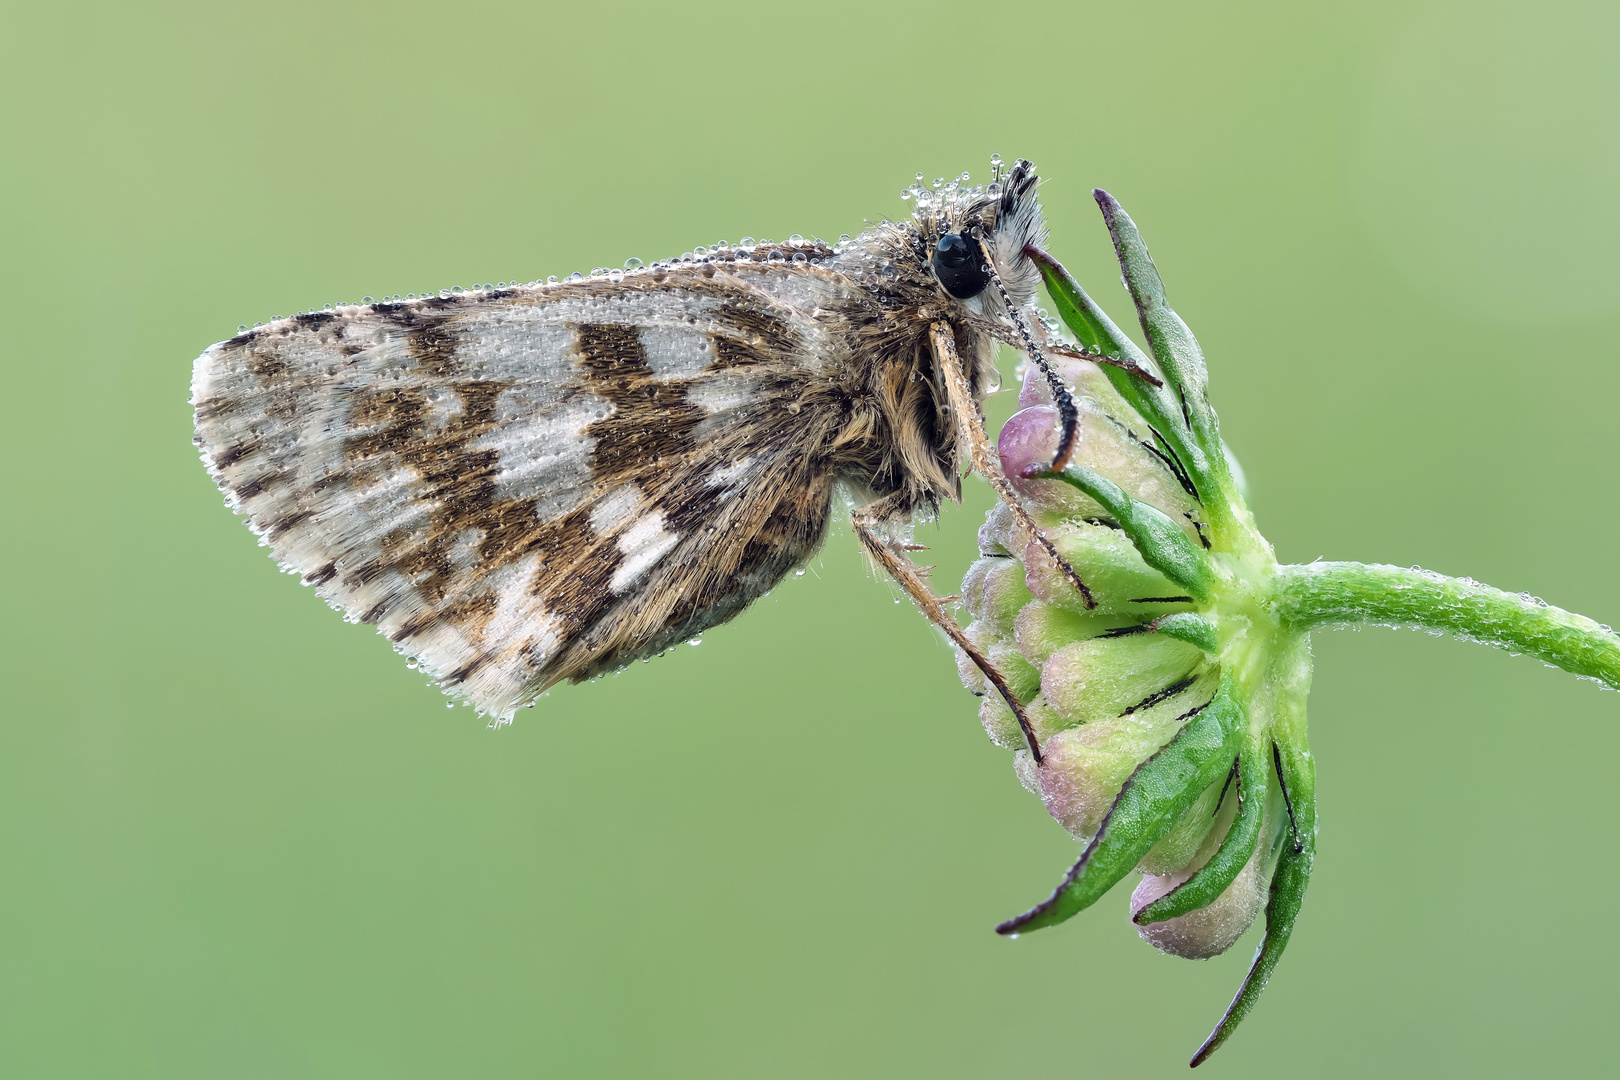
(526, 484)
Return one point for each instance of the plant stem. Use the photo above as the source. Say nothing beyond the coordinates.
(1325, 593)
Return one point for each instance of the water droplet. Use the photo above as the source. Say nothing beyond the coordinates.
(449, 704)
(241, 328)
(799, 572)
(777, 256)
(843, 238)
(695, 642)
(939, 182)
(632, 263)
(799, 258)
(576, 276)
(905, 194)
(995, 159)
(367, 300)
(455, 288)
(747, 241)
(796, 240)
(551, 279)
(615, 276)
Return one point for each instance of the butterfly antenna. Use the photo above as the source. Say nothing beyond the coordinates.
(1068, 414)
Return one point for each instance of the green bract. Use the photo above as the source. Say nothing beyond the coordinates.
(1168, 701)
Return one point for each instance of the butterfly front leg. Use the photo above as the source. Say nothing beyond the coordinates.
(870, 523)
(985, 461)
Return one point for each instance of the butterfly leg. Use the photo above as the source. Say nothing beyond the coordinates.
(868, 521)
(985, 461)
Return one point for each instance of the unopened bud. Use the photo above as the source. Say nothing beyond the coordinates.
(1207, 931)
(1087, 765)
(1105, 678)
(1106, 560)
(1107, 446)
(1041, 629)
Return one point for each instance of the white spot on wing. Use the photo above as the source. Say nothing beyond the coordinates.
(676, 353)
(724, 392)
(642, 545)
(463, 550)
(615, 508)
(542, 450)
(732, 475)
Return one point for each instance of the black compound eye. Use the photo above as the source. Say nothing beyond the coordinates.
(960, 267)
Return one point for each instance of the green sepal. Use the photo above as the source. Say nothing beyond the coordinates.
(1163, 544)
(1188, 627)
(1172, 343)
(1288, 884)
(1213, 878)
(1150, 803)
(1097, 332)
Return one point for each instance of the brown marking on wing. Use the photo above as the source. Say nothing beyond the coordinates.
(457, 479)
(265, 363)
(651, 419)
(752, 336)
(250, 489)
(234, 453)
(434, 349)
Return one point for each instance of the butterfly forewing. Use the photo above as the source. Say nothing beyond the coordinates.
(528, 485)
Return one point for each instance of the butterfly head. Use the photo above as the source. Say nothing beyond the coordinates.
(960, 226)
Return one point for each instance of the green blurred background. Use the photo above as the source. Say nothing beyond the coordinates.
(239, 839)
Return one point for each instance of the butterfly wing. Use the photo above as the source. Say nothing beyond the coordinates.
(527, 485)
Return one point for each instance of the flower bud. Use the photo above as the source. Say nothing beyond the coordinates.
(1086, 766)
(1041, 629)
(1104, 678)
(1031, 436)
(1002, 533)
(1023, 678)
(1002, 726)
(1084, 380)
(1106, 445)
(1106, 560)
(1208, 931)
(994, 590)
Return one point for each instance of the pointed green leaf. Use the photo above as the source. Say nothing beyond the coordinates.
(1213, 877)
(1188, 627)
(1152, 800)
(1173, 344)
(1158, 405)
(1163, 544)
(1293, 874)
